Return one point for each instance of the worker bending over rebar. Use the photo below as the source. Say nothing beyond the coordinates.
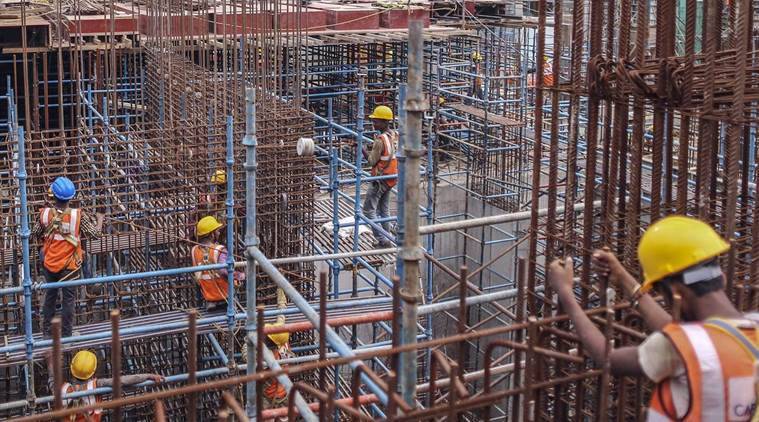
(83, 367)
(703, 368)
(61, 229)
(383, 162)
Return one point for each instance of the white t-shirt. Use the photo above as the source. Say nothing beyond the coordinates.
(659, 360)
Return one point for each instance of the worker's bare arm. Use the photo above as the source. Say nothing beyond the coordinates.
(624, 361)
(606, 264)
(127, 380)
(561, 275)
(99, 219)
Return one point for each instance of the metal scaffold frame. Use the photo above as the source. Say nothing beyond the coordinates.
(555, 149)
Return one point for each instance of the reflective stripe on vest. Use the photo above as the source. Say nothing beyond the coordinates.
(719, 376)
(62, 241)
(94, 415)
(387, 164)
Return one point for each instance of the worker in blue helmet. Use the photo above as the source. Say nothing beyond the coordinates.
(62, 229)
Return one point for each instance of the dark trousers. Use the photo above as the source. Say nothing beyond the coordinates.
(377, 201)
(51, 300)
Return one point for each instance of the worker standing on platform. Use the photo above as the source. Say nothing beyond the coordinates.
(383, 162)
(83, 367)
(213, 284)
(704, 368)
(61, 230)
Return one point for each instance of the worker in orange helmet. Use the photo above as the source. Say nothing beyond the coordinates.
(383, 162)
(63, 230)
(213, 284)
(703, 368)
(83, 367)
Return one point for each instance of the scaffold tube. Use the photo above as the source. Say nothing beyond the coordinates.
(330, 335)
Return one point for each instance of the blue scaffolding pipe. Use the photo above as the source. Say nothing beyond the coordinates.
(330, 335)
(106, 390)
(27, 279)
(155, 328)
(217, 348)
(114, 278)
(334, 189)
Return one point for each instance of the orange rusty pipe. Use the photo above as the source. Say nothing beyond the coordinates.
(333, 322)
(281, 412)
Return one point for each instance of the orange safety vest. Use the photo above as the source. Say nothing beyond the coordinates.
(91, 415)
(719, 372)
(387, 163)
(274, 390)
(213, 285)
(62, 243)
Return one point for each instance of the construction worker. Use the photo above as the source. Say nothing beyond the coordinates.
(215, 199)
(383, 162)
(83, 367)
(703, 368)
(213, 284)
(279, 344)
(478, 89)
(62, 230)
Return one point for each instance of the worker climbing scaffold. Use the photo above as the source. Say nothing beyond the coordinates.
(703, 368)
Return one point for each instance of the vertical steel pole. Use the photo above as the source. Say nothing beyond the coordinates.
(27, 279)
(401, 157)
(116, 362)
(411, 252)
(230, 241)
(251, 239)
(357, 172)
(335, 191)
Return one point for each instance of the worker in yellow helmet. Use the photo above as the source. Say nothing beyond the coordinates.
(383, 162)
(212, 200)
(478, 89)
(213, 283)
(703, 368)
(83, 367)
(279, 344)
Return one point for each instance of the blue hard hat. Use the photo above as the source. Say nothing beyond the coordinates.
(63, 188)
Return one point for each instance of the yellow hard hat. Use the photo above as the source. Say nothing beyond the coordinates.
(382, 113)
(674, 244)
(219, 177)
(476, 56)
(83, 365)
(278, 338)
(206, 225)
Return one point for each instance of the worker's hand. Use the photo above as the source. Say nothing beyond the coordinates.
(561, 275)
(158, 379)
(606, 264)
